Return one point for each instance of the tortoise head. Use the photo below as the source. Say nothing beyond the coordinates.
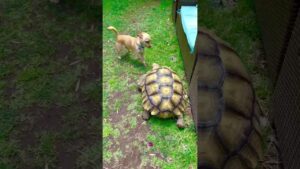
(155, 66)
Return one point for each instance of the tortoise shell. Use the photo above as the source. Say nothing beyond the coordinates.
(162, 93)
(225, 109)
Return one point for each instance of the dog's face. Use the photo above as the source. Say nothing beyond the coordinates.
(145, 39)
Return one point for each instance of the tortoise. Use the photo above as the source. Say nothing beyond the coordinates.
(229, 121)
(163, 94)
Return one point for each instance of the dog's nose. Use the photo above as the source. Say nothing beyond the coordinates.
(150, 46)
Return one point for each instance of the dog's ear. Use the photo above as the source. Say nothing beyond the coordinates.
(140, 35)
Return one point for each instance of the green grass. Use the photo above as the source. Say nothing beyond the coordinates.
(152, 17)
(39, 41)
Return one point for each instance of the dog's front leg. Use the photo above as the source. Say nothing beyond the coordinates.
(141, 56)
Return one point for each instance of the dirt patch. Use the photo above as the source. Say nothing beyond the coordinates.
(120, 113)
(66, 159)
(132, 141)
(118, 116)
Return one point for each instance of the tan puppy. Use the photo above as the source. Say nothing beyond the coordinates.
(132, 44)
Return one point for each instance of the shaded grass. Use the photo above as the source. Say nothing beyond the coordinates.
(39, 41)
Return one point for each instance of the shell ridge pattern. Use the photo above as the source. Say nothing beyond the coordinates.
(161, 85)
(159, 76)
(250, 128)
(146, 91)
(217, 88)
(249, 131)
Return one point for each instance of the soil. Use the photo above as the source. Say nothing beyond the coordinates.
(132, 141)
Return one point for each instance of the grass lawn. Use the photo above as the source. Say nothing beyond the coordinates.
(49, 84)
(126, 135)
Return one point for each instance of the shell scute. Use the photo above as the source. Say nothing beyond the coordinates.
(163, 93)
(228, 118)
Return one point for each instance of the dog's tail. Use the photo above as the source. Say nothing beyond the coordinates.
(113, 29)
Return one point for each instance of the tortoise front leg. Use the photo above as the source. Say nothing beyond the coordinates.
(146, 115)
(180, 123)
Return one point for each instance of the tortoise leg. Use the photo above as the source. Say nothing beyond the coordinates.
(180, 123)
(146, 115)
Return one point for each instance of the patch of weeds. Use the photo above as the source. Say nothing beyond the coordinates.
(125, 131)
(262, 88)
(133, 122)
(132, 86)
(133, 106)
(46, 154)
(157, 161)
(8, 150)
(31, 73)
(167, 135)
(105, 96)
(89, 157)
(108, 130)
(117, 84)
(107, 155)
(118, 105)
(117, 155)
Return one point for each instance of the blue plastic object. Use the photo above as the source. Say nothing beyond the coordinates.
(189, 23)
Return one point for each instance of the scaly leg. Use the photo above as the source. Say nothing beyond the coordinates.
(180, 123)
(146, 115)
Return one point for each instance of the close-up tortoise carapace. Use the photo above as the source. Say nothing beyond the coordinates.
(163, 94)
(224, 108)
